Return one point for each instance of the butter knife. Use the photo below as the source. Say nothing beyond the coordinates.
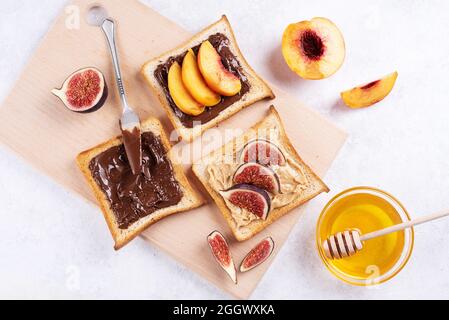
(129, 122)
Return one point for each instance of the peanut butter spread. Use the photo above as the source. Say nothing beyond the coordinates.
(293, 181)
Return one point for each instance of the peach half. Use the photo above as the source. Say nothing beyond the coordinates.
(217, 77)
(313, 49)
(194, 82)
(179, 93)
(370, 93)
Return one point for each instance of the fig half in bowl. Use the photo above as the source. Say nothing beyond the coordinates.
(83, 91)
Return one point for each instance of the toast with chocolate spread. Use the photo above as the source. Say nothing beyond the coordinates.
(250, 89)
(130, 203)
(258, 177)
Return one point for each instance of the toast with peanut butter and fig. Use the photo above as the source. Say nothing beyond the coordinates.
(130, 203)
(258, 177)
(204, 81)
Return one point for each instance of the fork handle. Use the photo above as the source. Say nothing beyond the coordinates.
(108, 28)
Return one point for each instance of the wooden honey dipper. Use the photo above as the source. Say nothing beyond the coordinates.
(347, 243)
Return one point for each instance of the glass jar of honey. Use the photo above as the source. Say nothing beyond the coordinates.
(366, 209)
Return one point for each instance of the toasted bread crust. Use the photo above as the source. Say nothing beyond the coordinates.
(248, 232)
(191, 199)
(259, 89)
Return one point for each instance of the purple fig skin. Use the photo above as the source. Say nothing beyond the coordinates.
(249, 187)
(261, 259)
(269, 172)
(262, 141)
(230, 268)
(61, 92)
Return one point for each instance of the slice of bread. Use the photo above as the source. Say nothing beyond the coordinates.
(230, 152)
(258, 88)
(191, 199)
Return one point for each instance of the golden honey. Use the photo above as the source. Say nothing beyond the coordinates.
(366, 210)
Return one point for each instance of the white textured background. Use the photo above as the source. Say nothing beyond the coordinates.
(54, 245)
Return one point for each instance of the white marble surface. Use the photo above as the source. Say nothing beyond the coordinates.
(54, 245)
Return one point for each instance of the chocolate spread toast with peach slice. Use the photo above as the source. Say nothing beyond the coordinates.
(204, 81)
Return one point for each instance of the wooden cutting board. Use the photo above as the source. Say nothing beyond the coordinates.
(37, 127)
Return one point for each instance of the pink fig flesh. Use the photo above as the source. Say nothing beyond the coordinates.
(251, 198)
(83, 91)
(259, 254)
(258, 175)
(220, 250)
(263, 152)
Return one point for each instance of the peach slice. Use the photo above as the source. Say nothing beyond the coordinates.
(194, 82)
(370, 93)
(217, 77)
(179, 93)
(313, 49)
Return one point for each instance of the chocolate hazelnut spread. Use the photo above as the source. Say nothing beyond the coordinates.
(131, 140)
(133, 197)
(221, 43)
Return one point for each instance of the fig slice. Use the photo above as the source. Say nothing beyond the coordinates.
(247, 196)
(83, 91)
(220, 249)
(258, 175)
(262, 151)
(259, 254)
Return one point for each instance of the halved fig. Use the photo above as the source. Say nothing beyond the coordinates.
(220, 249)
(249, 197)
(83, 91)
(260, 253)
(258, 175)
(262, 151)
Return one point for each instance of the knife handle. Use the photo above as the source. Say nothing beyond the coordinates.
(108, 27)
